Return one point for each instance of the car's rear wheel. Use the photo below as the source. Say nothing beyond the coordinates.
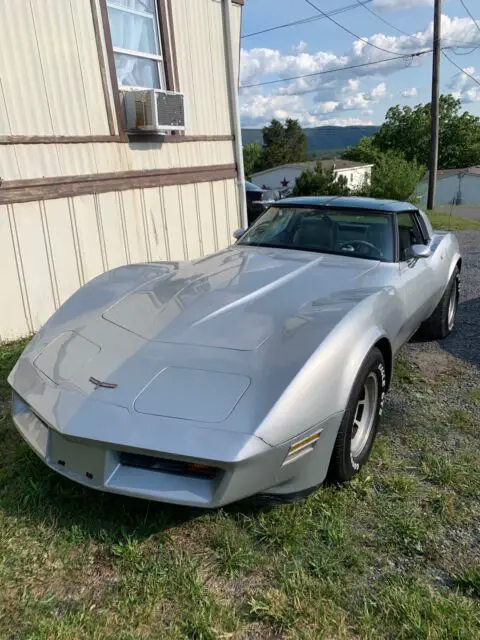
(442, 321)
(359, 424)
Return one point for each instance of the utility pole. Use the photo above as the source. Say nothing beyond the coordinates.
(435, 107)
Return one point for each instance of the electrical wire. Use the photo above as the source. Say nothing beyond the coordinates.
(404, 56)
(389, 24)
(414, 36)
(460, 68)
(354, 35)
(334, 12)
(327, 71)
(470, 14)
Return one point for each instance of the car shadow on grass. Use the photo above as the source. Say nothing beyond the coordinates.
(30, 491)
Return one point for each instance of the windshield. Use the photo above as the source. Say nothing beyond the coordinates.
(352, 232)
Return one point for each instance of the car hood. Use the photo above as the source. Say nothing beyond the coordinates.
(236, 299)
(213, 342)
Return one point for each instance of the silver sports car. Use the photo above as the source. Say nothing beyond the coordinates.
(258, 370)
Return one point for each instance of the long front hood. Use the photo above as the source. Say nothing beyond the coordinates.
(236, 299)
(211, 344)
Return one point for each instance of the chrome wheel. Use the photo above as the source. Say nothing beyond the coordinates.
(364, 415)
(452, 306)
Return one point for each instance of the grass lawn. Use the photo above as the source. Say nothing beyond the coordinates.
(391, 555)
(453, 223)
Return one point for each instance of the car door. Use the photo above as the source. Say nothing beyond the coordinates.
(415, 274)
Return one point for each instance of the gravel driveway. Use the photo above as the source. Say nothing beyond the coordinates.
(458, 356)
(462, 347)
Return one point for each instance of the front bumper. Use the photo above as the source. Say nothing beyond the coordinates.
(98, 464)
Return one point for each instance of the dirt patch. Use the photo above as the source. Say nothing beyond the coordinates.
(435, 365)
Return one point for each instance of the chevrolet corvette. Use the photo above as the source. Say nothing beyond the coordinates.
(260, 370)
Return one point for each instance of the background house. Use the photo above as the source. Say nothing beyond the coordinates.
(80, 193)
(287, 174)
(454, 186)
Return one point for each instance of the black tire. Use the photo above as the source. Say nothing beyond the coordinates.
(438, 326)
(343, 464)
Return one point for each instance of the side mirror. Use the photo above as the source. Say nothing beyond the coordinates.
(238, 233)
(420, 251)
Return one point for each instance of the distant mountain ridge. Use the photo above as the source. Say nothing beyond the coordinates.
(322, 139)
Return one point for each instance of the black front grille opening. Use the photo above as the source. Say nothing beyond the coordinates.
(175, 467)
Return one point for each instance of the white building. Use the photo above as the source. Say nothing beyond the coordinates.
(286, 175)
(87, 184)
(454, 186)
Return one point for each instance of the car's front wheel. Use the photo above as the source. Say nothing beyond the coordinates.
(359, 424)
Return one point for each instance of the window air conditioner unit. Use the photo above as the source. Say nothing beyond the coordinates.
(154, 110)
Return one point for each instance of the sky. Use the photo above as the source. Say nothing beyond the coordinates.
(357, 96)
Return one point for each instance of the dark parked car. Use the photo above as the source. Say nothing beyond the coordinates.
(258, 200)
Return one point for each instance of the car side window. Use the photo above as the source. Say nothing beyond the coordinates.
(423, 227)
(409, 233)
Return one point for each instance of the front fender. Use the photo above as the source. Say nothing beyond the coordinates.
(323, 386)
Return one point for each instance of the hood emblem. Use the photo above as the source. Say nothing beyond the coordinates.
(103, 385)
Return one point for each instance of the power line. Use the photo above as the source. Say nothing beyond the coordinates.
(334, 12)
(412, 35)
(327, 71)
(355, 35)
(389, 24)
(460, 68)
(416, 37)
(469, 13)
(324, 14)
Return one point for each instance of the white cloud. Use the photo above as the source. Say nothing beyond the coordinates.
(409, 93)
(300, 47)
(260, 109)
(260, 62)
(379, 91)
(465, 88)
(328, 107)
(311, 97)
(343, 122)
(401, 4)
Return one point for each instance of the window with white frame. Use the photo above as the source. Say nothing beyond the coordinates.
(134, 26)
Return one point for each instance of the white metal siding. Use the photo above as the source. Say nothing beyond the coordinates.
(274, 177)
(26, 161)
(199, 39)
(448, 188)
(49, 69)
(356, 177)
(52, 86)
(49, 248)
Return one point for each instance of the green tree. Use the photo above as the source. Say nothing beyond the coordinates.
(320, 182)
(407, 130)
(366, 151)
(393, 176)
(251, 157)
(282, 144)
